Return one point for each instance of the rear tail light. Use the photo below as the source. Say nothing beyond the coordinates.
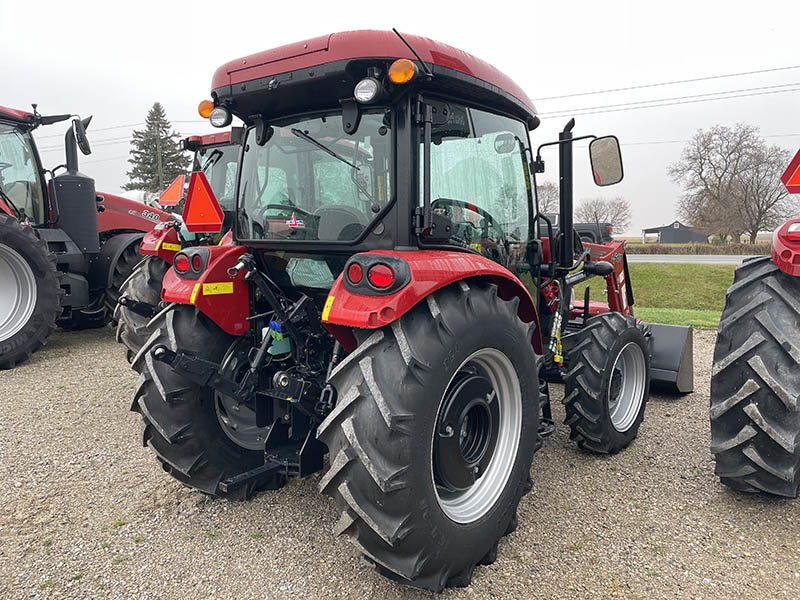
(181, 263)
(197, 263)
(355, 273)
(381, 276)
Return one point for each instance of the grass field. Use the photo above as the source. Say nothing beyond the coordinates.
(675, 294)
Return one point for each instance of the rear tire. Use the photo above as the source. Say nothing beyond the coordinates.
(28, 275)
(180, 419)
(608, 382)
(144, 285)
(387, 470)
(755, 382)
(126, 263)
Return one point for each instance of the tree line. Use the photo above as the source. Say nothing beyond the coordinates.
(731, 183)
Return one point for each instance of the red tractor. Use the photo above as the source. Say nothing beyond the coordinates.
(755, 381)
(216, 156)
(393, 298)
(64, 250)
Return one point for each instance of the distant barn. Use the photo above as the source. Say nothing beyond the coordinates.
(675, 233)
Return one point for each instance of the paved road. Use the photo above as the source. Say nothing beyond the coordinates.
(696, 259)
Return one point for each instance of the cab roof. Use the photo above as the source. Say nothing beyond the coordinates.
(302, 62)
(13, 114)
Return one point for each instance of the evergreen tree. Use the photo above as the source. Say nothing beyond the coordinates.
(156, 156)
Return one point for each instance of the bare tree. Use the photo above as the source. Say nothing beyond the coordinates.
(616, 211)
(730, 179)
(548, 197)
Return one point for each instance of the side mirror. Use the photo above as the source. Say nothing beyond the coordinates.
(79, 127)
(606, 160)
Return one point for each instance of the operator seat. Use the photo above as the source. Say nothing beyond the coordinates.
(340, 222)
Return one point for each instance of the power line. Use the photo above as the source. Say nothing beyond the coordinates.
(643, 102)
(93, 130)
(663, 83)
(575, 113)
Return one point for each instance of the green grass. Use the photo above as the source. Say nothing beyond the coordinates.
(675, 294)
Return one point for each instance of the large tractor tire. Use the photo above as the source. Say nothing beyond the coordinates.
(144, 285)
(198, 436)
(607, 384)
(755, 382)
(124, 268)
(30, 292)
(432, 436)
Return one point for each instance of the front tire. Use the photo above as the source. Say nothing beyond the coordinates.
(608, 382)
(416, 401)
(30, 292)
(755, 382)
(180, 418)
(124, 268)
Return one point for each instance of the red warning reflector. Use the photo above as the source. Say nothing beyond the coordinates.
(791, 178)
(202, 212)
(173, 194)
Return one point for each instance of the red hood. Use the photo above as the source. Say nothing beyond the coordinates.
(125, 214)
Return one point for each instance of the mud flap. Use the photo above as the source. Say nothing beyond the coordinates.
(672, 360)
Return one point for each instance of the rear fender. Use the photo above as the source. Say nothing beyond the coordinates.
(224, 300)
(785, 252)
(101, 273)
(162, 242)
(428, 271)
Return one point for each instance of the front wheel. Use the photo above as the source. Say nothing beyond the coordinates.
(144, 285)
(608, 382)
(432, 436)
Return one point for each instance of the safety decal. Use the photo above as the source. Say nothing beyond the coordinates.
(193, 297)
(215, 289)
(295, 222)
(326, 310)
(173, 247)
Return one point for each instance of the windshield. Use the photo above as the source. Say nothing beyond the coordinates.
(219, 165)
(20, 180)
(480, 181)
(312, 181)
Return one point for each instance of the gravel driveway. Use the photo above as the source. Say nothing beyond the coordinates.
(87, 513)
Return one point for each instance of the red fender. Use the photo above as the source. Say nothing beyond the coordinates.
(786, 251)
(429, 271)
(224, 300)
(163, 242)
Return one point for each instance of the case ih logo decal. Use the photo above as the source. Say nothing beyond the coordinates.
(295, 222)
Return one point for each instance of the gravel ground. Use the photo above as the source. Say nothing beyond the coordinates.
(87, 513)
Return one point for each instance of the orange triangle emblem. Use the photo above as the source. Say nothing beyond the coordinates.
(791, 178)
(202, 212)
(173, 194)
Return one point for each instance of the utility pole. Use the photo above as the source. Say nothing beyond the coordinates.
(158, 158)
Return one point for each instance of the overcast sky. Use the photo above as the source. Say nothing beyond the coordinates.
(113, 60)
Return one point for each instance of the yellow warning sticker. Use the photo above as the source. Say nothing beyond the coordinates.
(158, 244)
(214, 289)
(326, 310)
(193, 297)
(173, 247)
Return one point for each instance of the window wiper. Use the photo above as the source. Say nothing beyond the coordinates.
(321, 146)
(212, 159)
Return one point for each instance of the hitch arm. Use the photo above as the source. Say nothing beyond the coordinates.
(140, 308)
(197, 370)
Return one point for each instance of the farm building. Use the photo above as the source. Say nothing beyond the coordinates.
(675, 233)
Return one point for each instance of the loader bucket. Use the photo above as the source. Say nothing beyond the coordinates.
(672, 360)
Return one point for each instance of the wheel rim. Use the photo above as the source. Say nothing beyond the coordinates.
(237, 419)
(626, 387)
(17, 299)
(478, 426)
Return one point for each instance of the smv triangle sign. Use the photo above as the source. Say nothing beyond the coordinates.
(202, 212)
(791, 178)
(173, 194)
